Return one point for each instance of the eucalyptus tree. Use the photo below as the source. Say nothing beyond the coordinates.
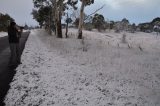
(68, 20)
(80, 20)
(55, 13)
(70, 6)
(42, 13)
(57, 9)
(84, 3)
(4, 21)
(124, 24)
(98, 21)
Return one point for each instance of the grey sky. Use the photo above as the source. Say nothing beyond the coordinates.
(136, 11)
(20, 10)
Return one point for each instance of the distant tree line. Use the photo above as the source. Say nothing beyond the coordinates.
(4, 21)
(98, 22)
(154, 25)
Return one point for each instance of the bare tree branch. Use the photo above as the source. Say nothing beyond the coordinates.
(94, 12)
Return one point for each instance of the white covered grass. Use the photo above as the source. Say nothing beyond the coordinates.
(3, 34)
(147, 41)
(59, 72)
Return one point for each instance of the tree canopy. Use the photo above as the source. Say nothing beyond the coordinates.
(4, 21)
(98, 21)
(42, 15)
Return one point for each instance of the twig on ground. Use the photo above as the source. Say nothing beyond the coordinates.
(140, 48)
(129, 46)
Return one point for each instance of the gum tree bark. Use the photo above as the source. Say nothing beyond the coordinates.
(57, 20)
(81, 20)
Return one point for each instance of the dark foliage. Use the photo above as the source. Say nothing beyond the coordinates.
(4, 21)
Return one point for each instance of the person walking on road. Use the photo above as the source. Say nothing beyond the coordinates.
(13, 37)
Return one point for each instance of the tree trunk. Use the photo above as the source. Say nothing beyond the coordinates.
(67, 30)
(50, 32)
(59, 27)
(59, 15)
(55, 17)
(67, 26)
(81, 20)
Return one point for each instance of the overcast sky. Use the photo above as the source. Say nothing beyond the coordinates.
(20, 10)
(136, 11)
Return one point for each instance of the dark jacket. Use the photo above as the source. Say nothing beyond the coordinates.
(13, 35)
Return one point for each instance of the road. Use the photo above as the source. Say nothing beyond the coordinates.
(6, 74)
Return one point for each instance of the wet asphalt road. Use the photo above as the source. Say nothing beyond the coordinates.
(6, 74)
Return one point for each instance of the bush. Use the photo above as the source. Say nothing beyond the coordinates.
(124, 38)
(4, 21)
(88, 26)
